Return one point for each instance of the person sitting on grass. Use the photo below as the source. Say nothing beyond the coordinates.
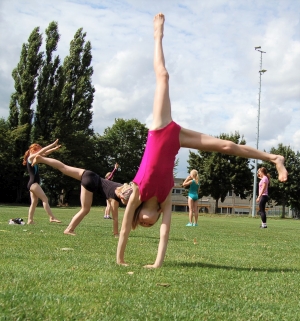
(90, 184)
(153, 183)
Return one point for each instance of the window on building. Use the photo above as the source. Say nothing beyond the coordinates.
(224, 210)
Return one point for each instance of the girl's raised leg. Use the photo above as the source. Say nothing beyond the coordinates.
(65, 169)
(161, 106)
(195, 140)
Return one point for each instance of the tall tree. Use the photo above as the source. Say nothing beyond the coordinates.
(287, 193)
(21, 112)
(123, 143)
(78, 92)
(220, 173)
(71, 93)
(50, 83)
(8, 168)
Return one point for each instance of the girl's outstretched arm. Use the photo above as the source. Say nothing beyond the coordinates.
(132, 205)
(43, 150)
(166, 207)
(49, 151)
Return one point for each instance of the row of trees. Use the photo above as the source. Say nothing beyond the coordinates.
(221, 173)
(54, 100)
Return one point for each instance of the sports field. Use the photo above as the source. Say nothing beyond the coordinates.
(224, 269)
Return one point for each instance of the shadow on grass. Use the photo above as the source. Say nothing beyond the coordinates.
(155, 237)
(226, 267)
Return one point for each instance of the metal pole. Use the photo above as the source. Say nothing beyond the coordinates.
(257, 134)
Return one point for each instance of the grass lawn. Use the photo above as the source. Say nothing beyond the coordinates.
(224, 269)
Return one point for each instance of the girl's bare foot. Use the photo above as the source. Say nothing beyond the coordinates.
(54, 220)
(69, 232)
(30, 222)
(159, 21)
(282, 172)
(36, 160)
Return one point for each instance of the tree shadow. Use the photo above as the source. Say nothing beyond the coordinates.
(227, 267)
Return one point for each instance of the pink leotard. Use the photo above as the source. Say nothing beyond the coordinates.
(155, 175)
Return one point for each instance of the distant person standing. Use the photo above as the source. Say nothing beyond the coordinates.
(109, 176)
(263, 197)
(193, 182)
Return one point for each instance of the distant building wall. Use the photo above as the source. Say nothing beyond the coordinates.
(232, 204)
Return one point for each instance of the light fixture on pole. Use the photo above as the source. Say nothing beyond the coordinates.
(261, 71)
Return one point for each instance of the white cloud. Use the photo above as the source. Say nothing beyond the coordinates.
(209, 49)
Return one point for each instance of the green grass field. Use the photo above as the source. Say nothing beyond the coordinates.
(235, 271)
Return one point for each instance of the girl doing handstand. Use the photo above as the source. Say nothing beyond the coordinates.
(151, 196)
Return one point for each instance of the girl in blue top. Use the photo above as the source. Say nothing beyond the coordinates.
(193, 181)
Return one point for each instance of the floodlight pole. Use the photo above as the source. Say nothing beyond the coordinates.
(261, 71)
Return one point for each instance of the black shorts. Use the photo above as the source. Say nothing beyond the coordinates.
(90, 181)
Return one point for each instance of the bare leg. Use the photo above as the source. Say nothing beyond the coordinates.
(65, 169)
(115, 207)
(34, 202)
(161, 105)
(86, 199)
(107, 209)
(195, 140)
(191, 208)
(38, 192)
(195, 203)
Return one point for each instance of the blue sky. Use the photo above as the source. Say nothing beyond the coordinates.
(210, 56)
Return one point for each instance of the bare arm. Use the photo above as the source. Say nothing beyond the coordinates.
(133, 203)
(43, 151)
(164, 232)
(111, 176)
(49, 151)
(188, 181)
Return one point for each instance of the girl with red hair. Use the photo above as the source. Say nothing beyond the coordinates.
(36, 191)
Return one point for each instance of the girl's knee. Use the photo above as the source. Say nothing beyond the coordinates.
(228, 146)
(162, 74)
(45, 200)
(85, 211)
(34, 204)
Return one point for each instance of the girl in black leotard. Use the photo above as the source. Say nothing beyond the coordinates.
(33, 185)
(90, 183)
